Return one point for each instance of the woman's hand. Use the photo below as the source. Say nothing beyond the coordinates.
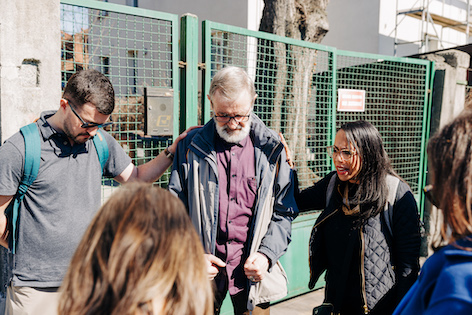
(287, 150)
(213, 263)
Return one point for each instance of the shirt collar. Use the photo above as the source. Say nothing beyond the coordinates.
(47, 131)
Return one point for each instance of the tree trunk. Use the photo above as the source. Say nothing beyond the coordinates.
(286, 71)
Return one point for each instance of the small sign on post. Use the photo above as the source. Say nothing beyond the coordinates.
(351, 100)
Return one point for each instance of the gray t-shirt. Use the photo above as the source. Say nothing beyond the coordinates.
(59, 205)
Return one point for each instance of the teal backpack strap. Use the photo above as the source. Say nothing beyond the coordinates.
(31, 168)
(102, 148)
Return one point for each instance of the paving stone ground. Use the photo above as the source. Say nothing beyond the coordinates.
(300, 305)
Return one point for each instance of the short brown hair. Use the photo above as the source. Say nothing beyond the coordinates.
(91, 86)
(141, 250)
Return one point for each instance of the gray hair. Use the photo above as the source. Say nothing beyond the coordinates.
(230, 81)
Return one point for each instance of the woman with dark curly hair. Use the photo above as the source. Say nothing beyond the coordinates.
(367, 237)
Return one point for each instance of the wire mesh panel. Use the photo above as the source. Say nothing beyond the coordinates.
(294, 86)
(395, 103)
(135, 49)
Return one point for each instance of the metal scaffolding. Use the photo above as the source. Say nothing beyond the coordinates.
(429, 24)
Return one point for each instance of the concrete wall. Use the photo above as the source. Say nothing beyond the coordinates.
(30, 60)
(30, 69)
(223, 11)
(454, 65)
(353, 25)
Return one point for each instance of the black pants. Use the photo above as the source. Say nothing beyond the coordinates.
(238, 300)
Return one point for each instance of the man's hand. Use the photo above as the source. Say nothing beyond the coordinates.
(4, 202)
(173, 146)
(212, 263)
(256, 267)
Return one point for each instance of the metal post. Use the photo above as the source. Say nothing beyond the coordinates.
(423, 32)
(189, 66)
(206, 73)
(395, 45)
(467, 21)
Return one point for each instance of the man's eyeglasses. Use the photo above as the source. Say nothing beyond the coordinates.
(346, 154)
(428, 192)
(227, 119)
(88, 124)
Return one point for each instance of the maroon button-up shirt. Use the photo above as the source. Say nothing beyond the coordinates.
(237, 193)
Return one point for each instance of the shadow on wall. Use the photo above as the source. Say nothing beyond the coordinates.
(6, 259)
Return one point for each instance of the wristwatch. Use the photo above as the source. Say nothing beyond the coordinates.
(169, 154)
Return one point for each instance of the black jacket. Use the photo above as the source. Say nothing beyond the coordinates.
(380, 269)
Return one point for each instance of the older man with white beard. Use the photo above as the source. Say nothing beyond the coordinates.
(234, 179)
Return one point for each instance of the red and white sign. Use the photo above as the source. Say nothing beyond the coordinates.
(351, 100)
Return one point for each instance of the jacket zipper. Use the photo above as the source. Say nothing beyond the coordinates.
(265, 173)
(364, 296)
(258, 199)
(214, 227)
(325, 218)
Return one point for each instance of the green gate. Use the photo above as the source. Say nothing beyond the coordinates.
(397, 103)
(135, 49)
(297, 85)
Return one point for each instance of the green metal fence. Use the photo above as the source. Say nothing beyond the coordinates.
(297, 85)
(397, 104)
(296, 82)
(135, 48)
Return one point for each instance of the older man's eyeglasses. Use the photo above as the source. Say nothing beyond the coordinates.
(345, 154)
(227, 119)
(88, 124)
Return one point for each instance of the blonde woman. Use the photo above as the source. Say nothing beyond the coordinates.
(130, 259)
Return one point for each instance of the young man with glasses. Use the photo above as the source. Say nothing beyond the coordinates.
(237, 185)
(59, 205)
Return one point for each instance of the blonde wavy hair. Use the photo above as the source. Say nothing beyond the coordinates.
(140, 255)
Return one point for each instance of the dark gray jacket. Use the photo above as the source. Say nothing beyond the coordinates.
(194, 180)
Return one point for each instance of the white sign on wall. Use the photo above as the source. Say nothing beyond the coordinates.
(351, 100)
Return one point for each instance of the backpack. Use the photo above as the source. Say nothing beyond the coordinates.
(31, 168)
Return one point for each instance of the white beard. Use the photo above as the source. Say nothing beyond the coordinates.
(233, 136)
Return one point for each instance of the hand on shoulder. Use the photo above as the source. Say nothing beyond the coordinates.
(173, 146)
